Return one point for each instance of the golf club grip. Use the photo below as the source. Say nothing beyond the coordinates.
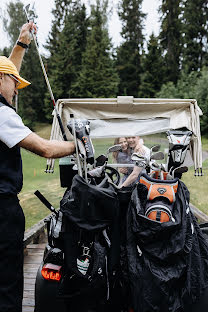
(44, 201)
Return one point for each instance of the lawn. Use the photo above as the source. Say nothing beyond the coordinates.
(49, 184)
(198, 187)
(35, 178)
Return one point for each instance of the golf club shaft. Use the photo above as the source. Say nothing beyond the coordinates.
(48, 84)
(76, 145)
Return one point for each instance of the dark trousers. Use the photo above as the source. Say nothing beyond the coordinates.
(12, 225)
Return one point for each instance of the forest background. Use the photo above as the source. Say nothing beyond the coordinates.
(82, 62)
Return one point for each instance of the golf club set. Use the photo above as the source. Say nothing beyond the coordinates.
(95, 173)
(179, 141)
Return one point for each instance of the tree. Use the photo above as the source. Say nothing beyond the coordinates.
(195, 28)
(30, 99)
(16, 20)
(201, 94)
(64, 63)
(184, 89)
(129, 53)
(62, 8)
(97, 77)
(153, 68)
(5, 52)
(171, 37)
(191, 86)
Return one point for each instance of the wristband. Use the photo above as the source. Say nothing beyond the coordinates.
(23, 45)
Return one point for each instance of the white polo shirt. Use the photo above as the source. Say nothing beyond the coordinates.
(12, 129)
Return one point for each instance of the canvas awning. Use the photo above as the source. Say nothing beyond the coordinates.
(129, 116)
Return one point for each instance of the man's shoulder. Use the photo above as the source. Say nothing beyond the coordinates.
(6, 113)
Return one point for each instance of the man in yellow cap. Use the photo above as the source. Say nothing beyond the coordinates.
(13, 135)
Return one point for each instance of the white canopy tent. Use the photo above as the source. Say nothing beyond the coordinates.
(129, 116)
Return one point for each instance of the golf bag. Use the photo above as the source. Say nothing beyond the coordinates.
(179, 141)
(90, 235)
(167, 261)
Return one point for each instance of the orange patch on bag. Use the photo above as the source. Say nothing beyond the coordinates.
(160, 189)
(155, 174)
(161, 216)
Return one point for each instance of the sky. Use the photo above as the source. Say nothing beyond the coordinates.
(44, 7)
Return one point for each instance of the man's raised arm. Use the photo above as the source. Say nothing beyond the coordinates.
(21, 45)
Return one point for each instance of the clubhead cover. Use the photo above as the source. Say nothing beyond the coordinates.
(82, 130)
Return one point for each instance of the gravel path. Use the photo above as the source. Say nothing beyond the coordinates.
(189, 162)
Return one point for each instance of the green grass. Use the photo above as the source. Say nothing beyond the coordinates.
(49, 184)
(205, 144)
(35, 178)
(198, 187)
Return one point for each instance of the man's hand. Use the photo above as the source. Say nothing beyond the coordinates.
(18, 52)
(25, 33)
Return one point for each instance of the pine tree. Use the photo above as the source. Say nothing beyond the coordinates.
(153, 68)
(17, 19)
(31, 98)
(195, 29)
(5, 51)
(98, 77)
(129, 52)
(64, 63)
(60, 13)
(171, 37)
(72, 44)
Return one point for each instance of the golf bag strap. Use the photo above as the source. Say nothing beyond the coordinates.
(70, 250)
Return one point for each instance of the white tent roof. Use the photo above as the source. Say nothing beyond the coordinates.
(129, 116)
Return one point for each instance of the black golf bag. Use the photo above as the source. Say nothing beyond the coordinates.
(167, 254)
(89, 238)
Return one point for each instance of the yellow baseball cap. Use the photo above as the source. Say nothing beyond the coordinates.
(7, 67)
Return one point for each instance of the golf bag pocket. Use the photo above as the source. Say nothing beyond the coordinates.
(159, 210)
(160, 188)
(86, 281)
(91, 240)
(160, 198)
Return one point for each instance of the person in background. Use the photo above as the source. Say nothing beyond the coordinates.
(123, 157)
(14, 135)
(136, 145)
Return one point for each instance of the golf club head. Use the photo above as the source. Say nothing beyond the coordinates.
(29, 7)
(179, 170)
(154, 165)
(136, 157)
(28, 11)
(100, 160)
(96, 172)
(114, 148)
(157, 156)
(154, 148)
